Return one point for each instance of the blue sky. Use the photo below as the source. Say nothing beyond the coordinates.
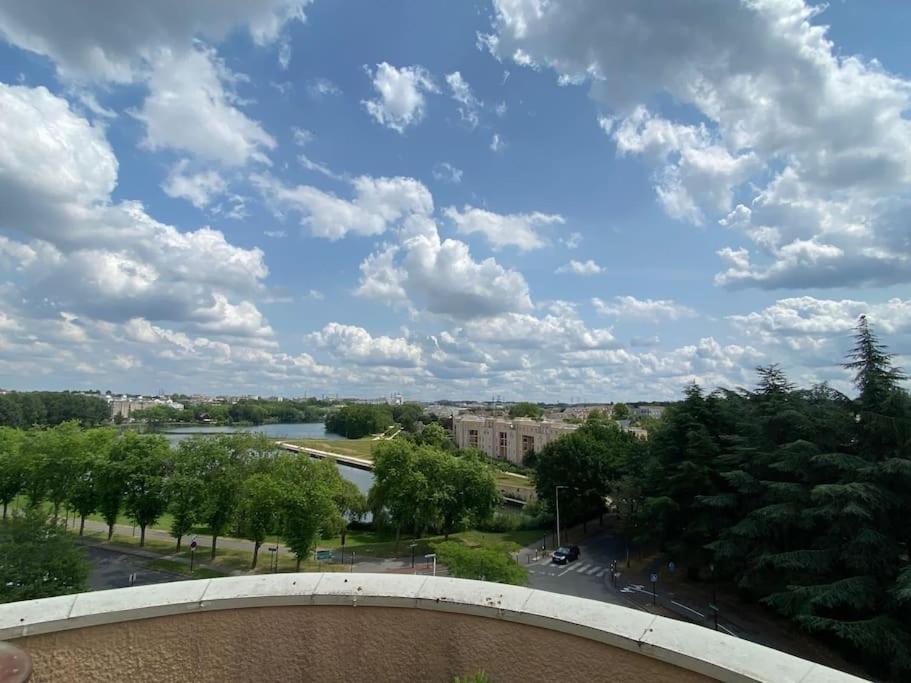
(558, 200)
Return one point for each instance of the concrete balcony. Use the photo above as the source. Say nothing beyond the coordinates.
(373, 627)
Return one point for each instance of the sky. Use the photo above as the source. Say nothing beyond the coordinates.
(558, 200)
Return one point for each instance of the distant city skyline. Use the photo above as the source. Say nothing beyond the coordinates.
(463, 199)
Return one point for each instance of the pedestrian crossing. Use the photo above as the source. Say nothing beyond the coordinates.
(545, 566)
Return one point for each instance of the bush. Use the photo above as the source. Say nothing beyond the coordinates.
(480, 563)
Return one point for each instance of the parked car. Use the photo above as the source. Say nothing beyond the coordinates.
(565, 554)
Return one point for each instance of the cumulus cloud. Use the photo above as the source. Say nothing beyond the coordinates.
(114, 41)
(468, 103)
(357, 345)
(187, 94)
(197, 188)
(441, 277)
(501, 230)
(377, 204)
(85, 254)
(776, 100)
(649, 309)
(496, 143)
(588, 267)
(401, 94)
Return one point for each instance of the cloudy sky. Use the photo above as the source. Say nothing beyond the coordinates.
(585, 200)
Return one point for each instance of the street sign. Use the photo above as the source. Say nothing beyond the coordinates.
(671, 566)
(653, 578)
(193, 545)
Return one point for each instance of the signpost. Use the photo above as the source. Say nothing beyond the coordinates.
(273, 558)
(413, 545)
(434, 556)
(193, 545)
(654, 579)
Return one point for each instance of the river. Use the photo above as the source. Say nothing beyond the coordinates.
(301, 430)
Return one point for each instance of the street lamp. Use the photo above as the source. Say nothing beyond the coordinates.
(434, 556)
(413, 545)
(557, 496)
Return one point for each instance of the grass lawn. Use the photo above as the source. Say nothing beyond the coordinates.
(382, 543)
(358, 448)
(175, 567)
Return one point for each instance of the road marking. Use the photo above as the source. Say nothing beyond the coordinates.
(568, 569)
(674, 602)
(582, 567)
(728, 631)
(594, 569)
(600, 574)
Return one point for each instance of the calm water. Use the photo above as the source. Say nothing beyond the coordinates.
(302, 430)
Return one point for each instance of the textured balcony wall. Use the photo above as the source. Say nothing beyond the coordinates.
(332, 644)
(374, 627)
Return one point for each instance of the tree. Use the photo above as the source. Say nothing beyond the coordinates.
(466, 491)
(146, 460)
(84, 493)
(259, 509)
(185, 491)
(526, 409)
(397, 487)
(38, 559)
(307, 505)
(12, 466)
(354, 422)
(584, 461)
(435, 435)
(620, 411)
(223, 465)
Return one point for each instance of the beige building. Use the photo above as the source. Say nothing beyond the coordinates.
(507, 438)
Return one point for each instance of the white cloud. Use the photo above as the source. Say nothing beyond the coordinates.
(572, 241)
(401, 102)
(378, 203)
(446, 172)
(275, 234)
(650, 309)
(575, 267)
(113, 41)
(197, 188)
(323, 87)
(187, 94)
(284, 54)
(302, 136)
(773, 98)
(316, 295)
(496, 143)
(441, 277)
(518, 230)
(355, 344)
(468, 103)
(82, 252)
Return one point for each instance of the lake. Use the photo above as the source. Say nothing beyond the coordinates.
(301, 430)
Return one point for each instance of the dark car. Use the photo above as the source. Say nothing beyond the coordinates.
(565, 554)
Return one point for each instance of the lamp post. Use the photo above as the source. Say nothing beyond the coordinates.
(434, 556)
(412, 546)
(714, 604)
(557, 496)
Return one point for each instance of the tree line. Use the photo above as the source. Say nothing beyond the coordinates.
(236, 484)
(799, 499)
(48, 408)
(357, 421)
(245, 411)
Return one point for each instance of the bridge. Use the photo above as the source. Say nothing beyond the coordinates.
(364, 464)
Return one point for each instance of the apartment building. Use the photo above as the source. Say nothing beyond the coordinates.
(647, 411)
(505, 438)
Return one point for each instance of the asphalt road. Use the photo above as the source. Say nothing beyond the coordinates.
(586, 576)
(112, 569)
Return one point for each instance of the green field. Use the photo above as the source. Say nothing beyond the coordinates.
(358, 448)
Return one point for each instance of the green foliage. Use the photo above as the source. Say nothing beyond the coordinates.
(526, 409)
(479, 677)
(408, 415)
(421, 487)
(259, 509)
(13, 470)
(488, 564)
(38, 559)
(308, 509)
(800, 497)
(357, 421)
(620, 411)
(145, 461)
(50, 408)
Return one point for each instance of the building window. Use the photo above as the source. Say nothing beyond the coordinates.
(528, 445)
(472, 438)
(503, 442)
